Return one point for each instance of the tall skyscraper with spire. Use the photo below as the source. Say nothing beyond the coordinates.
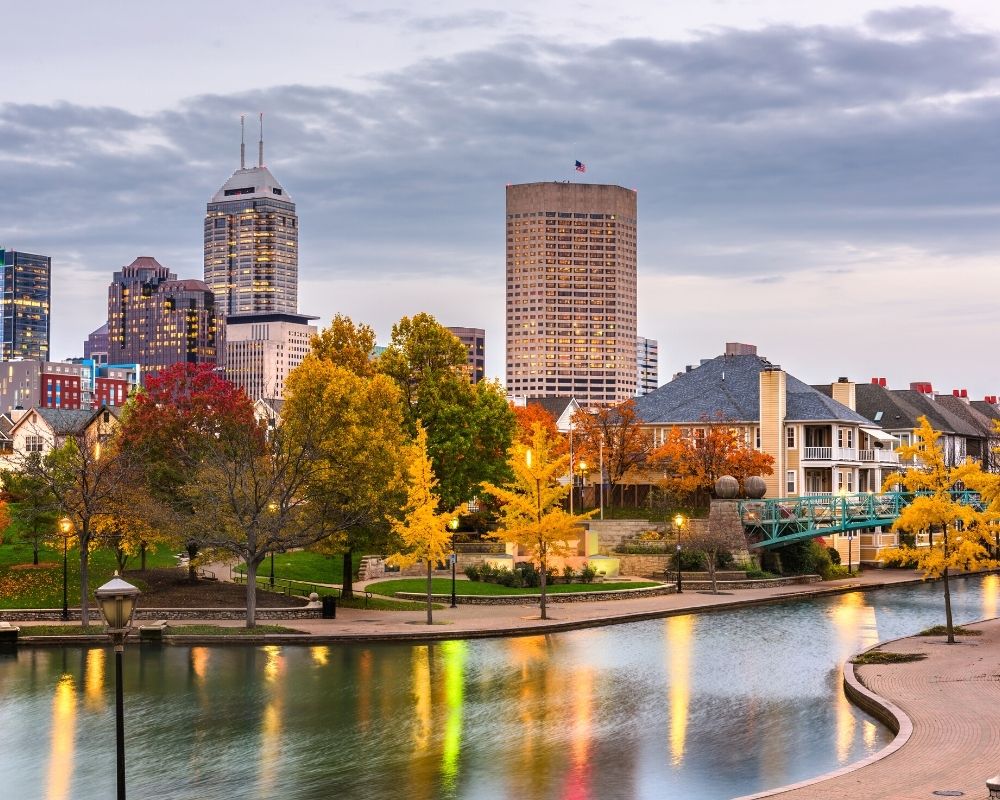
(251, 241)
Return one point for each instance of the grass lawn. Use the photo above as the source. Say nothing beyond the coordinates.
(60, 630)
(23, 585)
(222, 630)
(443, 586)
(302, 565)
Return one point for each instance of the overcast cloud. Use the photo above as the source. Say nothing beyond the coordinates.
(828, 192)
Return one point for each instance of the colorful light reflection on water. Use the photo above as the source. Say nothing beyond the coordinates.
(705, 706)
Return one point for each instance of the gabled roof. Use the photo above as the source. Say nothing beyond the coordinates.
(728, 388)
(556, 406)
(986, 409)
(964, 411)
(65, 422)
(901, 408)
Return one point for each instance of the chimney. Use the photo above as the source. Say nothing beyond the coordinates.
(875, 381)
(843, 391)
(965, 394)
(740, 349)
(955, 393)
(881, 382)
(922, 386)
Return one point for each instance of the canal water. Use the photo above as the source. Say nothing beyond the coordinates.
(699, 706)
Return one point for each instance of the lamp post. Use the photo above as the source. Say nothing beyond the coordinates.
(117, 600)
(679, 524)
(601, 458)
(65, 527)
(454, 559)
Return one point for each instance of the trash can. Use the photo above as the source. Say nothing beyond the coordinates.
(329, 606)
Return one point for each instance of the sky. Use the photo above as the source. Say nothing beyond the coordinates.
(821, 182)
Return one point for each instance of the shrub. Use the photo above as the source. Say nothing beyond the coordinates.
(526, 575)
(759, 574)
(506, 577)
(587, 574)
(803, 558)
(834, 554)
(472, 572)
(691, 561)
(568, 573)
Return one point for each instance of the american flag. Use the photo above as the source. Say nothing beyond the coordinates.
(581, 167)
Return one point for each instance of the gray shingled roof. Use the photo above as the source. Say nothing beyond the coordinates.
(986, 409)
(556, 406)
(728, 388)
(901, 409)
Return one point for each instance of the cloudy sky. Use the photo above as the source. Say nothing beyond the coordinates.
(820, 182)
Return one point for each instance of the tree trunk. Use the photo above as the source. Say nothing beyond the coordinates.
(542, 577)
(34, 546)
(347, 584)
(710, 563)
(251, 593)
(947, 593)
(430, 603)
(192, 551)
(84, 576)
(142, 556)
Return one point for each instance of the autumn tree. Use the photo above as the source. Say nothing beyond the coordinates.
(469, 426)
(709, 542)
(527, 416)
(423, 529)
(32, 506)
(964, 528)
(126, 527)
(615, 436)
(357, 425)
(180, 415)
(252, 494)
(692, 465)
(531, 512)
(347, 344)
(86, 475)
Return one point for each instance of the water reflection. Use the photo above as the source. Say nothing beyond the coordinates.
(63, 733)
(704, 706)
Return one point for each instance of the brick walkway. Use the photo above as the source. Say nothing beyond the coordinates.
(953, 701)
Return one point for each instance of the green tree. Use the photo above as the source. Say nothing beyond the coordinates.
(32, 506)
(357, 424)
(531, 513)
(423, 530)
(469, 427)
(935, 507)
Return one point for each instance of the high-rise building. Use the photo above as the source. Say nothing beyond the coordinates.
(24, 305)
(474, 340)
(251, 243)
(262, 349)
(95, 346)
(156, 320)
(647, 365)
(571, 291)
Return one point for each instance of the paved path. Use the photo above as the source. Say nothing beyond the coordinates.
(953, 701)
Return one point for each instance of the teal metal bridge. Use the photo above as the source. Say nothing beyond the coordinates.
(780, 521)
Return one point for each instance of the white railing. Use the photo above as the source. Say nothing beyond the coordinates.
(845, 454)
(817, 453)
(818, 494)
(886, 457)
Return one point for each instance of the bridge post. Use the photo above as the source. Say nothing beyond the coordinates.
(724, 519)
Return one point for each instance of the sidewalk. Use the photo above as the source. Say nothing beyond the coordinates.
(952, 699)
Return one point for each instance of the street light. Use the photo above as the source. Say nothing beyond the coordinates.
(117, 600)
(679, 524)
(66, 528)
(454, 558)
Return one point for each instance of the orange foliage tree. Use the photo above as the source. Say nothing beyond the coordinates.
(533, 414)
(626, 444)
(692, 466)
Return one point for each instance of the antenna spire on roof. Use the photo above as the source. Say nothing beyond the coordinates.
(243, 146)
(260, 145)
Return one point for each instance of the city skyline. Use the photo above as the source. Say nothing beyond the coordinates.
(795, 171)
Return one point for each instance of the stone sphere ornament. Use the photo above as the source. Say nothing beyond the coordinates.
(727, 487)
(755, 487)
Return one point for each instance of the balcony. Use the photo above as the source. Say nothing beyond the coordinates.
(879, 456)
(829, 454)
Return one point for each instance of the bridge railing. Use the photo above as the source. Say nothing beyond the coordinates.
(773, 522)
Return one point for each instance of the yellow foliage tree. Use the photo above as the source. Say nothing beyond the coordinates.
(532, 513)
(423, 530)
(964, 527)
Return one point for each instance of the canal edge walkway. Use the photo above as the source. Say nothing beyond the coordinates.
(942, 709)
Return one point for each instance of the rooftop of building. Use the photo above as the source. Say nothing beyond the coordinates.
(269, 316)
(185, 285)
(251, 183)
(900, 410)
(727, 388)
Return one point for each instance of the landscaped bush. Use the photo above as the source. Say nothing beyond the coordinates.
(472, 572)
(834, 555)
(759, 574)
(568, 574)
(587, 574)
(801, 558)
